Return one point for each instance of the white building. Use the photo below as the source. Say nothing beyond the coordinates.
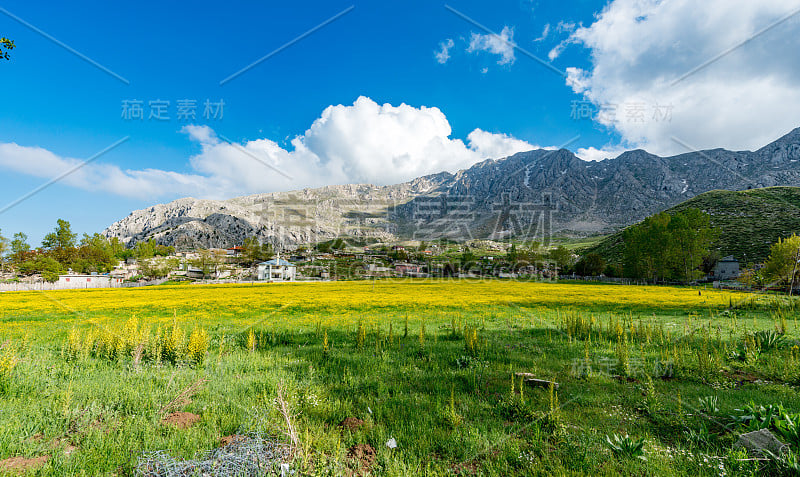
(277, 270)
(726, 269)
(87, 281)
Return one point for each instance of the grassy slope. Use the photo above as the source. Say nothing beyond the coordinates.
(109, 409)
(749, 221)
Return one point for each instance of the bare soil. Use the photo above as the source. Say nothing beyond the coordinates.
(21, 465)
(181, 420)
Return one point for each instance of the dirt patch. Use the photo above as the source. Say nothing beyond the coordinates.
(351, 423)
(228, 440)
(21, 465)
(741, 376)
(181, 420)
(65, 445)
(465, 468)
(625, 379)
(363, 455)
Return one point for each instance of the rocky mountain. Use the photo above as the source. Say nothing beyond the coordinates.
(531, 195)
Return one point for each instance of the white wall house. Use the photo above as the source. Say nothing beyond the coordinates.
(726, 269)
(277, 270)
(87, 281)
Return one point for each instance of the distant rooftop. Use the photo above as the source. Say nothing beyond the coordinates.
(275, 262)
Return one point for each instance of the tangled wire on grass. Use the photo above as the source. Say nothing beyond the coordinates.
(250, 455)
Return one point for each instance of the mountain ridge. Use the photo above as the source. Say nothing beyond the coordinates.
(529, 195)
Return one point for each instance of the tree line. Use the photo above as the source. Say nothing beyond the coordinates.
(62, 250)
(678, 247)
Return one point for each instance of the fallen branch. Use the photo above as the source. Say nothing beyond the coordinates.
(184, 398)
(286, 412)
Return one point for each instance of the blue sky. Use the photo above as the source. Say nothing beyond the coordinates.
(59, 109)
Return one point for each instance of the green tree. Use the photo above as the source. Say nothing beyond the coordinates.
(93, 255)
(562, 257)
(42, 264)
(3, 250)
(691, 235)
(783, 264)
(20, 250)
(61, 238)
(145, 250)
(467, 257)
(253, 251)
(6, 45)
(590, 265)
(158, 267)
(210, 263)
(118, 249)
(710, 261)
(647, 247)
(530, 253)
(665, 246)
(20, 244)
(512, 255)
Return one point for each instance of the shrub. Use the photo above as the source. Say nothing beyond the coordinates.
(626, 447)
(173, 343)
(471, 341)
(450, 414)
(755, 417)
(788, 426)
(8, 361)
(361, 335)
(769, 339)
(709, 404)
(197, 347)
(138, 343)
(250, 343)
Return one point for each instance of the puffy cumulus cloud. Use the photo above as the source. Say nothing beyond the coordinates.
(594, 154)
(443, 54)
(495, 145)
(361, 143)
(502, 45)
(642, 50)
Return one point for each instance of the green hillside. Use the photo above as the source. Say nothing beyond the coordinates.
(748, 221)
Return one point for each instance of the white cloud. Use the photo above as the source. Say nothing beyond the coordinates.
(496, 145)
(594, 154)
(545, 32)
(444, 51)
(361, 143)
(96, 176)
(564, 26)
(639, 48)
(556, 51)
(502, 45)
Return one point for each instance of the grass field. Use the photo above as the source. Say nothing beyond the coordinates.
(88, 377)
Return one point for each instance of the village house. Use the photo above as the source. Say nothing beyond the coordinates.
(87, 281)
(725, 269)
(277, 270)
(408, 269)
(375, 270)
